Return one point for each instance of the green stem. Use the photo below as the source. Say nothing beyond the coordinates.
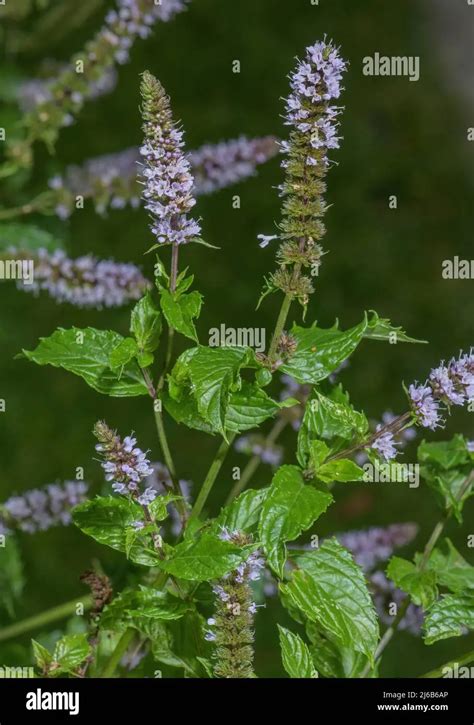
(254, 462)
(119, 651)
(279, 327)
(16, 212)
(37, 621)
(439, 672)
(428, 550)
(180, 505)
(211, 477)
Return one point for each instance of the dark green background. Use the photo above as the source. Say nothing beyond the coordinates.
(402, 138)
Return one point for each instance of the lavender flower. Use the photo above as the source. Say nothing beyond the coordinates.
(451, 384)
(112, 180)
(216, 166)
(256, 445)
(66, 96)
(385, 444)
(42, 508)
(231, 627)
(85, 281)
(124, 463)
(424, 406)
(403, 436)
(312, 117)
(168, 182)
(375, 545)
(36, 91)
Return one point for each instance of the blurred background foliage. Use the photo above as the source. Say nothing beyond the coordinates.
(402, 138)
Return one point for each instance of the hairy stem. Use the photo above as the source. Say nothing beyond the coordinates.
(280, 325)
(38, 621)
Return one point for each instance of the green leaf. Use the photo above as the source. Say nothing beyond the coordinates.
(180, 311)
(43, 657)
(70, 651)
(330, 659)
(330, 589)
(87, 353)
(329, 417)
(449, 617)
(107, 519)
(295, 655)
(382, 329)
(448, 484)
(319, 451)
(26, 237)
(250, 406)
(145, 324)
(121, 355)
(12, 579)
(420, 585)
(244, 512)
(444, 454)
(204, 559)
(342, 470)
(133, 608)
(290, 507)
(452, 570)
(320, 352)
(211, 374)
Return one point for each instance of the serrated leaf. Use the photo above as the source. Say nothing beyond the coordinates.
(204, 559)
(121, 355)
(181, 310)
(330, 659)
(250, 406)
(452, 570)
(320, 352)
(211, 374)
(330, 589)
(244, 512)
(449, 617)
(43, 657)
(107, 519)
(133, 608)
(330, 418)
(290, 508)
(70, 651)
(419, 585)
(295, 655)
(342, 470)
(382, 329)
(444, 454)
(87, 353)
(145, 324)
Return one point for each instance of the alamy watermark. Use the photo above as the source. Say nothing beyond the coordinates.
(39, 700)
(238, 337)
(16, 673)
(19, 269)
(392, 473)
(395, 65)
(457, 268)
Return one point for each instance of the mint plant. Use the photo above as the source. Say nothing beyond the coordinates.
(197, 577)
